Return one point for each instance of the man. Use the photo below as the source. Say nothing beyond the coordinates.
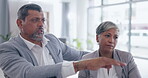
(34, 55)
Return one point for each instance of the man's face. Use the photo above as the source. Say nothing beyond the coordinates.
(32, 27)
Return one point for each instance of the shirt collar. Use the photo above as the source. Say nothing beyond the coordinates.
(30, 45)
(98, 54)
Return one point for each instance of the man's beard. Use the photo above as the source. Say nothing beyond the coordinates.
(38, 35)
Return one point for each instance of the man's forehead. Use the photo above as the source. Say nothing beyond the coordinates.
(35, 13)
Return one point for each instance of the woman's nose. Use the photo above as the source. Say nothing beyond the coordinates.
(111, 40)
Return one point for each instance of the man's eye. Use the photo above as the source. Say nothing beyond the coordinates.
(35, 20)
(43, 20)
(38, 20)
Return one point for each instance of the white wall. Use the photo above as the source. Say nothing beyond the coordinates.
(82, 6)
(1, 25)
(16, 4)
(78, 9)
(4, 26)
(78, 21)
(1, 20)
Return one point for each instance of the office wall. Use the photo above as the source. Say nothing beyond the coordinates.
(82, 21)
(16, 4)
(4, 28)
(1, 16)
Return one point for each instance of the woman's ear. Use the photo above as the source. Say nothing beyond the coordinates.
(97, 38)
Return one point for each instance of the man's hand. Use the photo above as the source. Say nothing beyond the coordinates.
(96, 63)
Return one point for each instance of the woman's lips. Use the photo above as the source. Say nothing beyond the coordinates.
(110, 46)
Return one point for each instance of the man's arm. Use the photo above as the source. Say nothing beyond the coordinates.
(96, 63)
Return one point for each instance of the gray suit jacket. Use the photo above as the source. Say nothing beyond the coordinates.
(129, 71)
(17, 61)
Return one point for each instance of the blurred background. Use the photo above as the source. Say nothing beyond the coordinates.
(75, 21)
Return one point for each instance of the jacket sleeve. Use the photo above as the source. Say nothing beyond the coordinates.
(68, 53)
(15, 66)
(133, 71)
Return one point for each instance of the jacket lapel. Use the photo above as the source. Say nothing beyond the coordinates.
(52, 52)
(25, 52)
(93, 74)
(118, 69)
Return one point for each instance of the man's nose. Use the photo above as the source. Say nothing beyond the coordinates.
(41, 23)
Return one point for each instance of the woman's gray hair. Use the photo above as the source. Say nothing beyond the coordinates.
(104, 26)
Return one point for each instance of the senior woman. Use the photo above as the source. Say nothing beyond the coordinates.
(107, 34)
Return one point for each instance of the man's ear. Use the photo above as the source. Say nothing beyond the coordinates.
(19, 23)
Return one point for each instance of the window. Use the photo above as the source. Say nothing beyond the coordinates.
(95, 2)
(113, 1)
(140, 24)
(145, 34)
(130, 16)
(94, 19)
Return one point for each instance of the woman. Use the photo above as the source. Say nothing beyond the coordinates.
(107, 35)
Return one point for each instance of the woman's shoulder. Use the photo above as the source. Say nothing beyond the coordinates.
(90, 55)
(121, 52)
(123, 55)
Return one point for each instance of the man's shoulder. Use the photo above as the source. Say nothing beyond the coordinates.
(6, 45)
(11, 42)
(50, 36)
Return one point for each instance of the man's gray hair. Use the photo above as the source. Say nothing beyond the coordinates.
(104, 26)
(23, 11)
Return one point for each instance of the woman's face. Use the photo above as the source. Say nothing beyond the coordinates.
(108, 40)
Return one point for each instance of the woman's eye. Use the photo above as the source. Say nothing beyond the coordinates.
(116, 37)
(107, 35)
